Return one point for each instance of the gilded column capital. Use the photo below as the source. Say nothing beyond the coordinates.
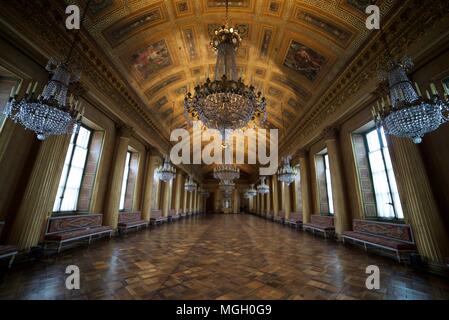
(331, 133)
(125, 131)
(303, 153)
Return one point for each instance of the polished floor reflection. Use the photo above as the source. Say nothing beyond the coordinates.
(219, 257)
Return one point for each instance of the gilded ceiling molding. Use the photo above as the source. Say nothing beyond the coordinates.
(414, 19)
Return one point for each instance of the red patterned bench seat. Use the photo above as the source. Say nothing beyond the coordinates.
(157, 218)
(280, 218)
(384, 235)
(295, 219)
(173, 215)
(73, 229)
(323, 224)
(130, 220)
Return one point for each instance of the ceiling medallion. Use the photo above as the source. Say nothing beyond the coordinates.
(226, 172)
(226, 102)
(287, 174)
(262, 188)
(407, 114)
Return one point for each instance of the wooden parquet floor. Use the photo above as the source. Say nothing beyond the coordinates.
(219, 257)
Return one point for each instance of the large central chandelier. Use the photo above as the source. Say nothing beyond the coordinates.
(166, 172)
(190, 185)
(407, 113)
(263, 188)
(287, 173)
(225, 102)
(226, 172)
(53, 111)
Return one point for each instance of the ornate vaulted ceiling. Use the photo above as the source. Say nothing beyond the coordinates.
(292, 50)
(154, 51)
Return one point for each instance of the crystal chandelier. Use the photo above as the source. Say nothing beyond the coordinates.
(262, 188)
(251, 192)
(226, 102)
(226, 186)
(166, 172)
(407, 113)
(226, 172)
(287, 173)
(53, 111)
(190, 185)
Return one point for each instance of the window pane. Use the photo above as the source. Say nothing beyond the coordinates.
(385, 188)
(72, 173)
(83, 138)
(329, 184)
(124, 181)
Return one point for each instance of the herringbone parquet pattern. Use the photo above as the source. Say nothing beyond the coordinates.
(219, 257)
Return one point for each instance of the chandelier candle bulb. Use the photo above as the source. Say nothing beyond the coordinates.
(434, 89)
(19, 87)
(28, 88)
(418, 90)
(13, 90)
(428, 94)
(446, 88)
(35, 87)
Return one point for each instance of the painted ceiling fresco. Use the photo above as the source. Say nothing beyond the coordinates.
(292, 49)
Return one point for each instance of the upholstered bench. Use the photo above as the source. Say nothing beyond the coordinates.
(66, 230)
(7, 251)
(157, 218)
(322, 224)
(182, 215)
(130, 220)
(280, 218)
(270, 216)
(295, 219)
(173, 215)
(394, 237)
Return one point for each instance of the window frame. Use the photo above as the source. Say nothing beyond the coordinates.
(124, 190)
(382, 146)
(60, 212)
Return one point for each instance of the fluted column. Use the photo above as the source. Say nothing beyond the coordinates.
(191, 196)
(268, 198)
(258, 203)
(185, 199)
(306, 192)
(153, 162)
(285, 196)
(418, 201)
(197, 202)
(166, 198)
(178, 192)
(40, 193)
(275, 195)
(112, 204)
(235, 201)
(342, 217)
